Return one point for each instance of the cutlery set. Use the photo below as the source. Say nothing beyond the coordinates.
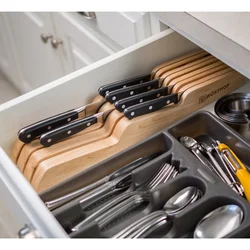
(123, 113)
(223, 162)
(158, 189)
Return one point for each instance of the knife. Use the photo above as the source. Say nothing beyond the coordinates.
(156, 104)
(118, 173)
(63, 132)
(119, 94)
(105, 89)
(31, 132)
(151, 106)
(140, 98)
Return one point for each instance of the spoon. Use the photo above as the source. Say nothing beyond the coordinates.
(220, 222)
(191, 144)
(143, 227)
(208, 150)
(180, 200)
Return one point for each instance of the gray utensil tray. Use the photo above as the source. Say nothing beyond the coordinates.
(201, 126)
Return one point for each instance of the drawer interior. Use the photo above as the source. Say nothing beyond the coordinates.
(79, 88)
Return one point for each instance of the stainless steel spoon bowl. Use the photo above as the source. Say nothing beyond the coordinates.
(220, 222)
(180, 200)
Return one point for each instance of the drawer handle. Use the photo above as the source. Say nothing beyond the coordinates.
(56, 42)
(88, 15)
(46, 37)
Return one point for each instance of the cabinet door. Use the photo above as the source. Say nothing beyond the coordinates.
(125, 28)
(8, 63)
(80, 46)
(40, 63)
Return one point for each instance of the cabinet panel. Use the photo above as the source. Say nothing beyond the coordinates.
(127, 27)
(8, 62)
(39, 62)
(80, 46)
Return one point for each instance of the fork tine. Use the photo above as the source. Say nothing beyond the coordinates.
(158, 174)
(163, 177)
(159, 178)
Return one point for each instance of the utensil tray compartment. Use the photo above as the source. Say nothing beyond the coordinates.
(215, 192)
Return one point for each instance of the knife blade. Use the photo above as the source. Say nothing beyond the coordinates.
(73, 128)
(31, 132)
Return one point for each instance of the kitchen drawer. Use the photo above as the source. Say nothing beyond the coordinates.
(75, 89)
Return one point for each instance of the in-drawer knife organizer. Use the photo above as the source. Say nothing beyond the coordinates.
(45, 167)
(124, 113)
(79, 219)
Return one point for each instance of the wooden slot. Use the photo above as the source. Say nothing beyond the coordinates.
(185, 69)
(25, 160)
(177, 63)
(128, 132)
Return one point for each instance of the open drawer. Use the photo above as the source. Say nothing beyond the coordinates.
(73, 90)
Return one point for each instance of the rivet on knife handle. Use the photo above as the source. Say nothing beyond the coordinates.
(137, 99)
(150, 106)
(31, 132)
(64, 132)
(105, 89)
(119, 94)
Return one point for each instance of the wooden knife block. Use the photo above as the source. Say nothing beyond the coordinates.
(128, 132)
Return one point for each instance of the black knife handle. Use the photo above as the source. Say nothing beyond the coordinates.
(150, 106)
(105, 89)
(132, 166)
(31, 132)
(66, 131)
(137, 99)
(119, 94)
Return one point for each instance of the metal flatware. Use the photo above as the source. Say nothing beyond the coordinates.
(191, 144)
(229, 180)
(153, 221)
(220, 222)
(104, 208)
(236, 166)
(120, 172)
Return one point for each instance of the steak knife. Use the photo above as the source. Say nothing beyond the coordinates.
(63, 132)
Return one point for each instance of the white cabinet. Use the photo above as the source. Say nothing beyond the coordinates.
(8, 62)
(29, 62)
(126, 28)
(39, 62)
(80, 46)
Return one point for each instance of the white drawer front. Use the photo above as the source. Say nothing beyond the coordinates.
(21, 205)
(75, 89)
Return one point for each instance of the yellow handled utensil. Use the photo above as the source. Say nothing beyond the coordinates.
(237, 166)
